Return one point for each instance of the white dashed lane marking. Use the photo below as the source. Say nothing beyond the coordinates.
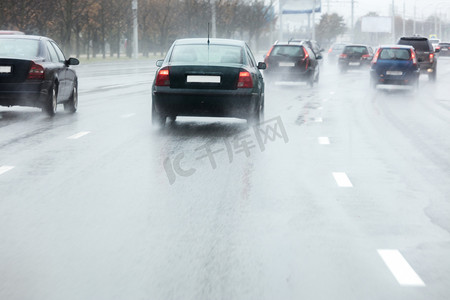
(323, 140)
(4, 169)
(400, 268)
(128, 115)
(78, 135)
(342, 179)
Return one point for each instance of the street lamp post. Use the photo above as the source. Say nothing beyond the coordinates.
(213, 18)
(134, 7)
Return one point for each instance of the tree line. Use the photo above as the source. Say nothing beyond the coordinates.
(104, 27)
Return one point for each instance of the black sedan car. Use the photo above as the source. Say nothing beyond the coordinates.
(444, 49)
(34, 72)
(292, 61)
(208, 77)
(355, 57)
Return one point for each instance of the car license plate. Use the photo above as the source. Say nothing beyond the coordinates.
(203, 79)
(354, 64)
(287, 64)
(395, 73)
(444, 49)
(5, 69)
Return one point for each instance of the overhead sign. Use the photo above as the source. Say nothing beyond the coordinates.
(291, 7)
(376, 24)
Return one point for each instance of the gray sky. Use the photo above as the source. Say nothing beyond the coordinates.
(424, 8)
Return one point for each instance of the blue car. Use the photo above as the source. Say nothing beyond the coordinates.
(396, 65)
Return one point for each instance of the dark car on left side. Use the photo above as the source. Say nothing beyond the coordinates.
(208, 77)
(34, 72)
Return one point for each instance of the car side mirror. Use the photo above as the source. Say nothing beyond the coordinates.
(72, 61)
(262, 65)
(319, 56)
(159, 62)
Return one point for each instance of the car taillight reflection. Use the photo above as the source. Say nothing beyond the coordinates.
(163, 77)
(413, 57)
(375, 57)
(245, 80)
(36, 71)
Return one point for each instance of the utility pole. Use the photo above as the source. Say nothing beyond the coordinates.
(352, 21)
(213, 18)
(393, 20)
(280, 16)
(414, 29)
(404, 16)
(134, 7)
(314, 21)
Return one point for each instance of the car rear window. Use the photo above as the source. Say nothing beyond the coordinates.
(19, 48)
(395, 54)
(356, 49)
(419, 45)
(292, 51)
(204, 54)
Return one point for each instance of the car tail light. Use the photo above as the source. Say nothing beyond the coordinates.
(366, 56)
(438, 48)
(329, 50)
(36, 71)
(245, 80)
(343, 55)
(375, 57)
(162, 79)
(306, 58)
(431, 56)
(266, 59)
(413, 57)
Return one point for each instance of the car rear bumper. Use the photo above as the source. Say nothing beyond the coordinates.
(32, 94)
(409, 78)
(214, 103)
(293, 75)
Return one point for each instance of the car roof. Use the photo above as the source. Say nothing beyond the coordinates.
(356, 45)
(396, 46)
(23, 37)
(415, 38)
(214, 41)
(289, 44)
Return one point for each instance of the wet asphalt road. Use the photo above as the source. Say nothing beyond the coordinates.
(343, 193)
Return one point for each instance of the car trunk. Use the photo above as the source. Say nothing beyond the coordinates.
(394, 69)
(279, 63)
(204, 77)
(14, 70)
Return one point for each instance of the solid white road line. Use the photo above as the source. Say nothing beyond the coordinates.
(318, 120)
(78, 135)
(4, 169)
(342, 179)
(323, 140)
(400, 268)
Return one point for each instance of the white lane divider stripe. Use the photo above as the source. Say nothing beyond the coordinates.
(323, 140)
(318, 120)
(78, 135)
(4, 169)
(342, 179)
(128, 115)
(400, 268)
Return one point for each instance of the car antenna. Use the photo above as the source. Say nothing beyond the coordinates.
(208, 33)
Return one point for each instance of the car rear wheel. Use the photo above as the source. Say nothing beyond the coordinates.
(257, 116)
(158, 120)
(72, 105)
(311, 80)
(432, 76)
(51, 104)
